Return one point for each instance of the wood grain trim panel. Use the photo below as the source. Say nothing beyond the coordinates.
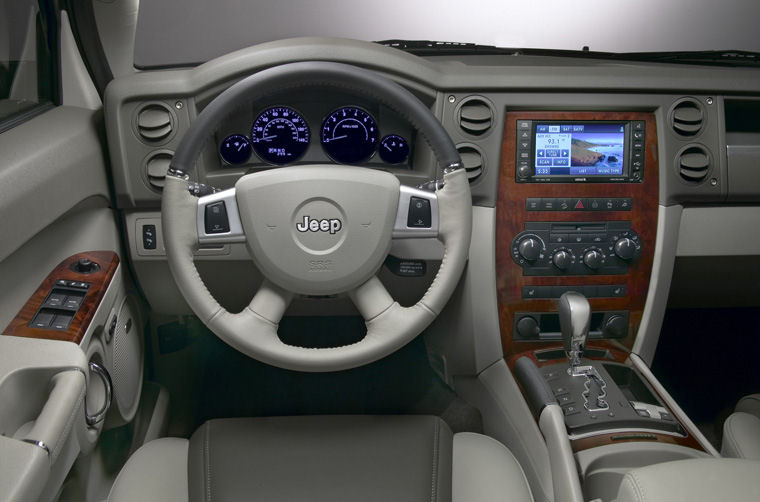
(99, 281)
(511, 215)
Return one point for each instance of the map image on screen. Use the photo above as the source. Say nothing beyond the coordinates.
(579, 149)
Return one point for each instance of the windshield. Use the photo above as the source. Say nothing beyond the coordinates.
(186, 32)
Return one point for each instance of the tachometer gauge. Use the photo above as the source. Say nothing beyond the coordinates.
(349, 135)
(394, 149)
(280, 135)
(235, 149)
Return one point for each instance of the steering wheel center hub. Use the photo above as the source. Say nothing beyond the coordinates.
(318, 230)
(320, 226)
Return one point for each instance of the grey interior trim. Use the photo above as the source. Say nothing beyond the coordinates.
(26, 469)
(118, 20)
(507, 418)
(41, 182)
(76, 84)
(567, 487)
(668, 221)
(639, 364)
(719, 231)
(400, 228)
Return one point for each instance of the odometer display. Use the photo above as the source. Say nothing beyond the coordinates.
(349, 135)
(280, 135)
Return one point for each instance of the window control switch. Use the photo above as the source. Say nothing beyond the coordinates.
(62, 321)
(42, 320)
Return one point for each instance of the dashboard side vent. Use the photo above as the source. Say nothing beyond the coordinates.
(154, 123)
(687, 117)
(156, 167)
(473, 161)
(693, 163)
(475, 116)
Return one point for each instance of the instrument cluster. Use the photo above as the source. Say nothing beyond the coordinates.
(281, 135)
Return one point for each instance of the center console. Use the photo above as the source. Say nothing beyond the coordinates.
(577, 211)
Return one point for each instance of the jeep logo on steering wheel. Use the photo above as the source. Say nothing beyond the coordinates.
(332, 225)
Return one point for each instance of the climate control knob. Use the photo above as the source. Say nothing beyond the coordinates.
(562, 259)
(529, 248)
(625, 248)
(593, 259)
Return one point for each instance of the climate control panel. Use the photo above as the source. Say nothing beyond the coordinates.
(583, 248)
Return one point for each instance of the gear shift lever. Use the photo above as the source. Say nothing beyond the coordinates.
(574, 319)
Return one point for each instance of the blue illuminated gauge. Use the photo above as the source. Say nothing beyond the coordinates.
(349, 135)
(394, 149)
(280, 135)
(235, 149)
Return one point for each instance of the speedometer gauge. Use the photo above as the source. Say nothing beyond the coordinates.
(349, 135)
(280, 135)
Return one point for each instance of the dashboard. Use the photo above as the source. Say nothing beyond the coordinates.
(578, 183)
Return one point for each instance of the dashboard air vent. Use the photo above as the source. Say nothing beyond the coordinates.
(475, 117)
(156, 168)
(693, 163)
(687, 117)
(473, 161)
(154, 123)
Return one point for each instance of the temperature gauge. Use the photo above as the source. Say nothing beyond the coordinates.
(235, 149)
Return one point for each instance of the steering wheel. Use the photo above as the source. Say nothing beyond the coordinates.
(317, 229)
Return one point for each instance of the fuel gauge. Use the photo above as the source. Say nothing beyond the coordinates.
(394, 149)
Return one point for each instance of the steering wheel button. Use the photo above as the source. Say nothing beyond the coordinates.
(419, 213)
(216, 218)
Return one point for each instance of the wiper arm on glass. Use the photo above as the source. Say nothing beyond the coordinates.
(439, 48)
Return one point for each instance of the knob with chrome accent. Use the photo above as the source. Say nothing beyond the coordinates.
(562, 259)
(529, 248)
(593, 259)
(625, 248)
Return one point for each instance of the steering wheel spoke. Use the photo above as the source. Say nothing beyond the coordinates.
(371, 298)
(417, 214)
(218, 218)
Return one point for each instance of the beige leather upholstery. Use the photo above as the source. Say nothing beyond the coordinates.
(323, 458)
(741, 430)
(694, 480)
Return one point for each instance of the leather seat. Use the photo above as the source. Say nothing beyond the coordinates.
(741, 430)
(692, 480)
(323, 458)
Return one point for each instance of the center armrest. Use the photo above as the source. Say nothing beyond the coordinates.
(693, 480)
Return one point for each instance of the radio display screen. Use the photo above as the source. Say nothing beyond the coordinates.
(579, 149)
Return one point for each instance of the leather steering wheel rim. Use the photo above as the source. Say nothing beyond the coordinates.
(253, 331)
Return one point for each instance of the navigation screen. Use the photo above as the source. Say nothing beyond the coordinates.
(591, 149)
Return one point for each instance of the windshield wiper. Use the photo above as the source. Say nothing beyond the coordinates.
(720, 58)
(440, 48)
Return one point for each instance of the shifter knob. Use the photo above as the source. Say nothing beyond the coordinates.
(574, 319)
